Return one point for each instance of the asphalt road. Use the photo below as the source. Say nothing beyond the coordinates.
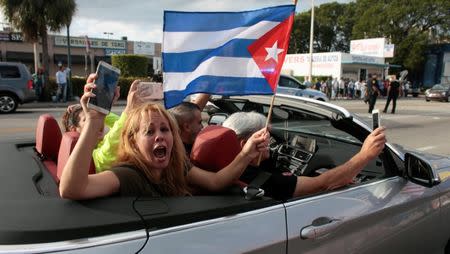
(417, 124)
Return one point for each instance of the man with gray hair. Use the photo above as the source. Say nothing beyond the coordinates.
(285, 185)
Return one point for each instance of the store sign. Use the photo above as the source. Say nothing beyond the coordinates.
(110, 52)
(323, 64)
(94, 43)
(368, 47)
(144, 48)
(389, 50)
(16, 37)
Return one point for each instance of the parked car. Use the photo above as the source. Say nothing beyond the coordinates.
(290, 85)
(16, 86)
(399, 203)
(439, 92)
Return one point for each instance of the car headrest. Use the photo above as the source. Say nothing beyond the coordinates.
(48, 137)
(68, 141)
(214, 148)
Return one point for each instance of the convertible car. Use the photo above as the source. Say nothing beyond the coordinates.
(400, 203)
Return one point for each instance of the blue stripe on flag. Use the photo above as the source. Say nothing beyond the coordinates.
(189, 61)
(175, 21)
(218, 85)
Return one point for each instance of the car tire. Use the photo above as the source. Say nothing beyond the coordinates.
(415, 94)
(8, 103)
(427, 100)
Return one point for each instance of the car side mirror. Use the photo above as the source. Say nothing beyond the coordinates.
(217, 119)
(419, 170)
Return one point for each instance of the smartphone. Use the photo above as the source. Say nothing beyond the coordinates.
(151, 90)
(375, 118)
(106, 83)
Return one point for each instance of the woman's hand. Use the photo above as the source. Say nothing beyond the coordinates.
(135, 97)
(89, 113)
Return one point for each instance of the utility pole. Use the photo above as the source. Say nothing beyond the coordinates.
(69, 65)
(311, 39)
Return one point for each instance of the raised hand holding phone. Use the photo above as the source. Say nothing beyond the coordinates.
(105, 87)
(375, 119)
(150, 90)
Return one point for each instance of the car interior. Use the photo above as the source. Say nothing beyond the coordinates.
(303, 142)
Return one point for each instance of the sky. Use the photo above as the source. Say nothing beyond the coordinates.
(141, 20)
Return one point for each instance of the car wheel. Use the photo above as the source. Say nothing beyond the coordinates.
(427, 99)
(415, 95)
(8, 103)
(320, 99)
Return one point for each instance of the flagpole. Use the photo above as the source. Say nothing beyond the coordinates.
(269, 116)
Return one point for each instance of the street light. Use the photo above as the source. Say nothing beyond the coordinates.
(108, 33)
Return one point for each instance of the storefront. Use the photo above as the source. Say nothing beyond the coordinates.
(335, 64)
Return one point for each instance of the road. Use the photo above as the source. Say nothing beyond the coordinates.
(417, 124)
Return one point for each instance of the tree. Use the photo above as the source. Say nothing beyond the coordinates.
(35, 17)
(333, 23)
(410, 24)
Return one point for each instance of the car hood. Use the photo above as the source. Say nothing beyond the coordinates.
(313, 92)
(437, 90)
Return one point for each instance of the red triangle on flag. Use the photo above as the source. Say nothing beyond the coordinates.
(270, 50)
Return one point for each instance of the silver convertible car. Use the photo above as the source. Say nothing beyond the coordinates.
(400, 203)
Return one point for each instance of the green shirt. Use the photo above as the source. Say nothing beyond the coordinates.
(105, 154)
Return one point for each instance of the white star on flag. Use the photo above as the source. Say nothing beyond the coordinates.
(273, 52)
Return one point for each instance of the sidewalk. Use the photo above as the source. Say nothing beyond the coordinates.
(49, 104)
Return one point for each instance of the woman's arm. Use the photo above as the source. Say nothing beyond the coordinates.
(216, 181)
(75, 182)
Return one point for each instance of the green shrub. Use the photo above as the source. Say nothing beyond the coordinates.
(77, 85)
(131, 65)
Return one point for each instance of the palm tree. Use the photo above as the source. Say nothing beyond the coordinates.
(35, 17)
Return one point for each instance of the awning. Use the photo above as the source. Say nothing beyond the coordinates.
(74, 59)
(13, 56)
(374, 64)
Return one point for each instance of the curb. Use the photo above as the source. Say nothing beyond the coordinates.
(48, 104)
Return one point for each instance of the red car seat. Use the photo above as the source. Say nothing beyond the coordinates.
(68, 141)
(48, 139)
(214, 148)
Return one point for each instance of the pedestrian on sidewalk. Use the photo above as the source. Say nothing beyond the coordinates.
(393, 92)
(39, 83)
(61, 80)
(373, 92)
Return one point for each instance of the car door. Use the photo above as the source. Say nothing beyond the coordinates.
(390, 215)
(258, 231)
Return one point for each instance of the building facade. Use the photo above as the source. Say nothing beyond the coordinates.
(335, 64)
(85, 53)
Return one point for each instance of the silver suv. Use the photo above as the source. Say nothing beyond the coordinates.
(16, 86)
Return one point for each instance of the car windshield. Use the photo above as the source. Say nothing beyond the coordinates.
(440, 87)
(309, 123)
(299, 120)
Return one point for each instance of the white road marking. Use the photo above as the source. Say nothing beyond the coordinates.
(425, 148)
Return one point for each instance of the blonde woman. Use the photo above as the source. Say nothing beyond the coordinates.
(151, 158)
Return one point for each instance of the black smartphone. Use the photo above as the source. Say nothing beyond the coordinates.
(106, 83)
(375, 118)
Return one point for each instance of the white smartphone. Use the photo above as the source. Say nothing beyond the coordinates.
(376, 119)
(151, 90)
(106, 83)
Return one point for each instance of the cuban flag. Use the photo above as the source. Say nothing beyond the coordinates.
(225, 53)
